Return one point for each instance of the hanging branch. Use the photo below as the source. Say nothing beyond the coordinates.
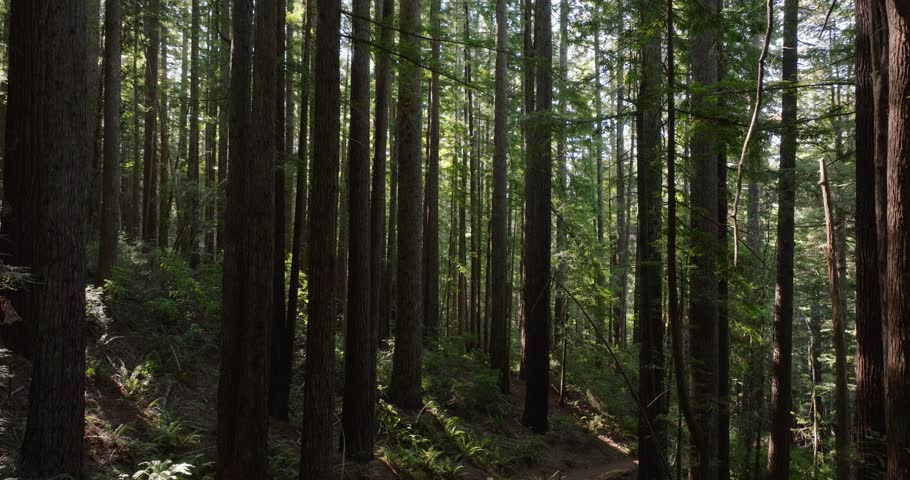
(755, 111)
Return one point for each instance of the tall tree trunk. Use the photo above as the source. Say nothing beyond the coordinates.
(538, 195)
(474, 195)
(288, 122)
(358, 417)
(150, 173)
(621, 272)
(164, 195)
(135, 229)
(527, 85)
(278, 361)
(560, 308)
(390, 282)
(781, 384)
(599, 303)
(842, 434)
(107, 255)
(282, 351)
(405, 385)
(431, 202)
(723, 323)
(318, 393)
(384, 12)
(95, 112)
(44, 224)
(247, 295)
(499, 341)
(180, 196)
(703, 303)
(222, 13)
(870, 419)
(651, 430)
(897, 326)
(191, 240)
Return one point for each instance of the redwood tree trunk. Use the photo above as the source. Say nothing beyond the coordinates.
(897, 325)
(538, 229)
(107, 255)
(150, 173)
(781, 382)
(248, 250)
(703, 303)
(870, 419)
(405, 385)
(499, 328)
(318, 393)
(431, 203)
(358, 417)
(44, 227)
(651, 431)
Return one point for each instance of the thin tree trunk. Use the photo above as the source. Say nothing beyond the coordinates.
(405, 384)
(384, 13)
(781, 385)
(499, 341)
(560, 309)
(164, 196)
(318, 393)
(282, 352)
(191, 240)
(107, 255)
(538, 195)
(842, 434)
(278, 362)
(150, 173)
(358, 417)
(431, 203)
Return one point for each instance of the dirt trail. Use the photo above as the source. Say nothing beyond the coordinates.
(620, 469)
(575, 454)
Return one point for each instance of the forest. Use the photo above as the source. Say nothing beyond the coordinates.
(454, 239)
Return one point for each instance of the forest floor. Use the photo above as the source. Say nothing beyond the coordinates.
(151, 393)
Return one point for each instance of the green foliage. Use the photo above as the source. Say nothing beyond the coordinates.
(170, 433)
(410, 451)
(134, 381)
(163, 470)
(460, 381)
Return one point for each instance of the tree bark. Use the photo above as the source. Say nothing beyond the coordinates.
(781, 383)
(431, 203)
(651, 430)
(318, 393)
(282, 351)
(248, 250)
(870, 419)
(358, 417)
(149, 155)
(191, 240)
(842, 434)
(499, 341)
(384, 13)
(164, 187)
(538, 230)
(107, 255)
(405, 385)
(560, 307)
(897, 326)
(278, 362)
(44, 225)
